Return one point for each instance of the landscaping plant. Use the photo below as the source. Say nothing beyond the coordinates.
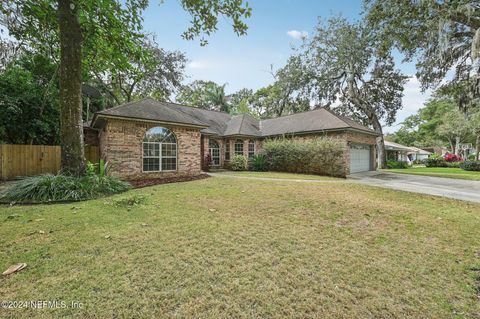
(397, 164)
(259, 163)
(321, 155)
(238, 163)
(470, 166)
(207, 162)
(61, 187)
(435, 160)
(452, 158)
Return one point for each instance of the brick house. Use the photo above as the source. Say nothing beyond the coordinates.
(151, 139)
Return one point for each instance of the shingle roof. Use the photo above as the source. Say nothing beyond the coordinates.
(243, 124)
(397, 147)
(311, 121)
(149, 109)
(420, 151)
(223, 124)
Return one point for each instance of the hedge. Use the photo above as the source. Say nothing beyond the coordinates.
(434, 161)
(321, 155)
(396, 164)
(470, 165)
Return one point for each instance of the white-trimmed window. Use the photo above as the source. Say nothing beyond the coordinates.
(214, 150)
(159, 150)
(251, 148)
(238, 147)
(227, 150)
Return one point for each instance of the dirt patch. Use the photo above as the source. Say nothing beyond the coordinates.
(139, 183)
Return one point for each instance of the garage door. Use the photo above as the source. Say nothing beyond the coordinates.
(359, 158)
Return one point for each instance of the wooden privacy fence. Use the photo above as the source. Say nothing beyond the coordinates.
(29, 160)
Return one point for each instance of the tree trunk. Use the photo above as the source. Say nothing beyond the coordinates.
(381, 153)
(457, 141)
(477, 147)
(71, 129)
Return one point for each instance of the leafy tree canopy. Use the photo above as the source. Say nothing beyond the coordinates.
(205, 95)
(442, 35)
(29, 106)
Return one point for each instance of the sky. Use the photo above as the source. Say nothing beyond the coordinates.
(275, 29)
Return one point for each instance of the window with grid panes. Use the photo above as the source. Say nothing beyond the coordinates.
(251, 148)
(159, 150)
(238, 147)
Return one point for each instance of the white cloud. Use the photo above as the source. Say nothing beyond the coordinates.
(297, 35)
(199, 64)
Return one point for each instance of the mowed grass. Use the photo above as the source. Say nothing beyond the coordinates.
(237, 248)
(439, 172)
(278, 175)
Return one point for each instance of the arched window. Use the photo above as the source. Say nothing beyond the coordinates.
(238, 147)
(159, 150)
(214, 150)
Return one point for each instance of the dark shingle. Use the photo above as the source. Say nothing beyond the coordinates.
(243, 124)
(223, 124)
(310, 121)
(149, 109)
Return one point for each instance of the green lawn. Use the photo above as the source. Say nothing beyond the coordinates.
(439, 172)
(238, 248)
(279, 175)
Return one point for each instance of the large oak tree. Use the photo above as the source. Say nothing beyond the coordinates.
(443, 37)
(98, 34)
(345, 70)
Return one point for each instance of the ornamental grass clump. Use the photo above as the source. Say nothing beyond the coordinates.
(51, 188)
(321, 155)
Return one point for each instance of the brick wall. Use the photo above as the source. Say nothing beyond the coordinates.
(121, 148)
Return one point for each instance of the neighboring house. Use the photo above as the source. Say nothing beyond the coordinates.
(418, 154)
(399, 152)
(436, 149)
(151, 139)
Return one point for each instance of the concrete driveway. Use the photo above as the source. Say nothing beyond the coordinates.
(447, 187)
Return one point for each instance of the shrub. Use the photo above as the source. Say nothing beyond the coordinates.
(259, 163)
(207, 162)
(47, 188)
(90, 169)
(321, 155)
(418, 162)
(238, 163)
(452, 158)
(470, 166)
(397, 164)
(454, 164)
(435, 160)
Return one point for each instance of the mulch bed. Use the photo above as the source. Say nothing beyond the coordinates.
(139, 183)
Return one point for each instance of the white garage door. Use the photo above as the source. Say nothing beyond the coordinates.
(359, 158)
